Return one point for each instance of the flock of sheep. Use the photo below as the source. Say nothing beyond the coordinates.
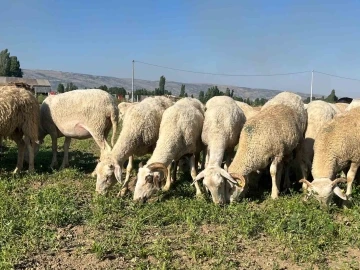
(321, 139)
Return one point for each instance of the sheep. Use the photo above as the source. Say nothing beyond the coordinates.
(193, 102)
(19, 117)
(221, 131)
(319, 113)
(78, 114)
(269, 138)
(179, 134)
(341, 107)
(123, 107)
(336, 147)
(138, 137)
(248, 111)
(354, 104)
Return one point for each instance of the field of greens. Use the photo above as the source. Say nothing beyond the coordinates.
(54, 220)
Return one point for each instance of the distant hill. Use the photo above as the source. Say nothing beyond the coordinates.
(85, 80)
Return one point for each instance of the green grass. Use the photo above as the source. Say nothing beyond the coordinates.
(48, 214)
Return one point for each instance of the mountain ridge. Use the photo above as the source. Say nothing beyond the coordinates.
(86, 80)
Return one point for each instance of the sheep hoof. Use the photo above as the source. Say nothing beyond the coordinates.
(200, 196)
(122, 192)
(274, 196)
(63, 166)
(166, 188)
(16, 171)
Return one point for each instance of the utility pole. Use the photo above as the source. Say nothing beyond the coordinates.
(132, 82)
(311, 89)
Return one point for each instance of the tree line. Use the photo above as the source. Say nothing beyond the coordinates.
(9, 65)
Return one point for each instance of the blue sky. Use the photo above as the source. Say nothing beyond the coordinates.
(234, 37)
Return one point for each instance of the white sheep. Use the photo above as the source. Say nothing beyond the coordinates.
(268, 138)
(354, 104)
(319, 113)
(179, 134)
(221, 131)
(78, 114)
(138, 137)
(123, 107)
(247, 109)
(337, 146)
(19, 120)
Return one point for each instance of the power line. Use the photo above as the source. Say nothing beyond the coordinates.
(331, 75)
(223, 74)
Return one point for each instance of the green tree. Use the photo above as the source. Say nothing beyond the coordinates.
(4, 63)
(70, 86)
(212, 92)
(119, 91)
(182, 91)
(162, 85)
(15, 70)
(9, 65)
(332, 98)
(103, 87)
(227, 92)
(186, 95)
(202, 96)
(60, 88)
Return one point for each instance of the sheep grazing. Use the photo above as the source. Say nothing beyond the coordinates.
(335, 149)
(179, 134)
(138, 137)
(19, 120)
(268, 138)
(123, 107)
(248, 111)
(319, 113)
(78, 114)
(221, 131)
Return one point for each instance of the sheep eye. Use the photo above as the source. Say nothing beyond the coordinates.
(149, 179)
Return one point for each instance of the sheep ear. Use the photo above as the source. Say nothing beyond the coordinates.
(304, 181)
(228, 177)
(339, 193)
(141, 164)
(199, 176)
(118, 172)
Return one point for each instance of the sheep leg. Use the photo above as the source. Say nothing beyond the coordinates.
(197, 158)
(193, 175)
(21, 150)
(30, 148)
(275, 172)
(350, 177)
(173, 177)
(207, 157)
(168, 179)
(229, 155)
(1, 145)
(65, 162)
(129, 168)
(54, 152)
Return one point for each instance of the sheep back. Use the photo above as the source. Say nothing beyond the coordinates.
(274, 132)
(19, 110)
(336, 144)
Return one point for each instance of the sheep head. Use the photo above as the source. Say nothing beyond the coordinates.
(234, 192)
(149, 180)
(217, 180)
(108, 171)
(323, 189)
